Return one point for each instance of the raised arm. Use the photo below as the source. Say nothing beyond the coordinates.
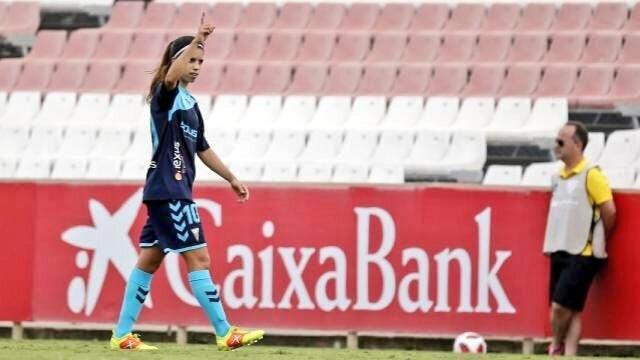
(179, 67)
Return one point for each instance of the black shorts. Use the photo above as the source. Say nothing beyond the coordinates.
(570, 278)
(172, 226)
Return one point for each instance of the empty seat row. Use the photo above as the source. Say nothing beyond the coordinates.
(393, 16)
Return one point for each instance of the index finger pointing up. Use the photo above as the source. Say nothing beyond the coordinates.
(202, 18)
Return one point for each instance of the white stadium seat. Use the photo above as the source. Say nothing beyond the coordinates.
(332, 112)
(14, 138)
(539, 174)
(594, 146)
(69, 168)
(78, 141)
(511, 115)
(135, 169)
(386, 174)
(358, 146)
(91, 108)
(296, 112)
(33, 168)
(280, 171)
(45, 140)
(367, 112)
(350, 173)
(315, 172)
(621, 149)
(112, 141)
(322, 145)
(547, 117)
(227, 111)
(8, 166)
(22, 107)
(57, 108)
(403, 113)
(124, 109)
(247, 171)
(503, 175)
(430, 148)
(439, 113)
(104, 168)
(620, 177)
(262, 112)
(286, 145)
(475, 114)
(252, 144)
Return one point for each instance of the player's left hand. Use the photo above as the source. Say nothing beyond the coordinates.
(240, 190)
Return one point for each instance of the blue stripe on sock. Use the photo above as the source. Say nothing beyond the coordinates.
(207, 295)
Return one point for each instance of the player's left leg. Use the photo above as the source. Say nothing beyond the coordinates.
(227, 337)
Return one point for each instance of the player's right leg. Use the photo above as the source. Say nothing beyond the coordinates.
(136, 292)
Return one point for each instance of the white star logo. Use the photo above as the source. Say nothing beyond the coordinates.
(109, 239)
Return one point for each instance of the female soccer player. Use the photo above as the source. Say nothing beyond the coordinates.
(173, 224)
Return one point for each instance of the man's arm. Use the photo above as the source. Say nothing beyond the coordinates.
(213, 162)
(608, 216)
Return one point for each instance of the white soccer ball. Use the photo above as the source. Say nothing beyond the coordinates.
(470, 342)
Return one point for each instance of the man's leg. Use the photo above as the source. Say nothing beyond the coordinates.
(573, 335)
(560, 321)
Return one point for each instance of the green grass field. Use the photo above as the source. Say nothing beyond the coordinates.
(66, 349)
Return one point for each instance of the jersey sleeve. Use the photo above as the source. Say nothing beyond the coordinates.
(201, 144)
(598, 186)
(165, 97)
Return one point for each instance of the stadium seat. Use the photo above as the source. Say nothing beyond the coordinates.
(466, 17)
(503, 175)
(360, 17)
(81, 45)
(104, 168)
(536, 17)
(403, 113)
(412, 79)
(158, 16)
(102, 77)
(287, 145)
(308, 79)
(429, 17)
(225, 15)
(251, 145)
(219, 45)
(621, 149)
(448, 80)
(293, 15)
(609, 16)
(21, 20)
(136, 169)
(502, 17)
(594, 146)
(69, 168)
(262, 112)
(557, 81)
(565, 48)
(136, 78)
(208, 80)
(351, 47)
(56, 108)
(377, 79)
(125, 15)
(625, 88)
(296, 112)
(350, 173)
(8, 166)
(112, 140)
(332, 112)
(511, 115)
(539, 174)
(422, 47)
(35, 76)
(602, 47)
(10, 71)
(283, 46)
(188, 15)
(227, 109)
(113, 45)
(124, 110)
(633, 23)
(548, 115)
(48, 44)
(594, 81)
(45, 140)
(317, 46)
(224, 140)
(572, 17)
(394, 17)
(343, 79)
(485, 80)
(492, 48)
(33, 168)
(327, 16)
(141, 146)
(14, 138)
(68, 76)
(521, 80)
(323, 145)
(528, 47)
(237, 79)
(366, 112)
(430, 147)
(279, 172)
(456, 47)
(358, 146)
(22, 107)
(475, 113)
(249, 45)
(148, 45)
(620, 177)
(315, 172)
(386, 174)
(387, 47)
(258, 15)
(78, 141)
(464, 159)
(439, 113)
(271, 79)
(394, 147)
(91, 108)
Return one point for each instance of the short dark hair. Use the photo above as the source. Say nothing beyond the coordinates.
(581, 134)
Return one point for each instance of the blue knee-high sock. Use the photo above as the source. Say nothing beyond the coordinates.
(209, 298)
(134, 296)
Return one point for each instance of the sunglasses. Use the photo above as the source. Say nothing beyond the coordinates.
(560, 142)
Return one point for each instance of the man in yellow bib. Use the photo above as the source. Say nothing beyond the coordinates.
(581, 217)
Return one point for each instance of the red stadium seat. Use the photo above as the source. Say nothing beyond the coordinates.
(422, 47)
(413, 79)
(102, 76)
(219, 45)
(609, 16)
(68, 76)
(377, 79)
(566, 47)
(317, 46)
(625, 87)
(22, 19)
(136, 78)
(237, 78)
(125, 15)
(327, 16)
(387, 47)
(249, 45)
(448, 80)
(147, 46)
(521, 80)
(271, 79)
(308, 79)
(594, 81)
(485, 80)
(466, 17)
(189, 16)
(631, 50)
(258, 16)
(35, 75)
(557, 80)
(633, 23)
(360, 17)
(572, 17)
(343, 79)
(225, 15)
(502, 17)
(492, 47)
(394, 17)
(158, 16)
(48, 44)
(113, 45)
(81, 45)
(10, 70)
(283, 46)
(430, 17)
(457, 47)
(208, 79)
(293, 16)
(528, 47)
(536, 17)
(351, 47)
(602, 47)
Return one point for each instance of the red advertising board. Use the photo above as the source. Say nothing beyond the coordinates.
(419, 260)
